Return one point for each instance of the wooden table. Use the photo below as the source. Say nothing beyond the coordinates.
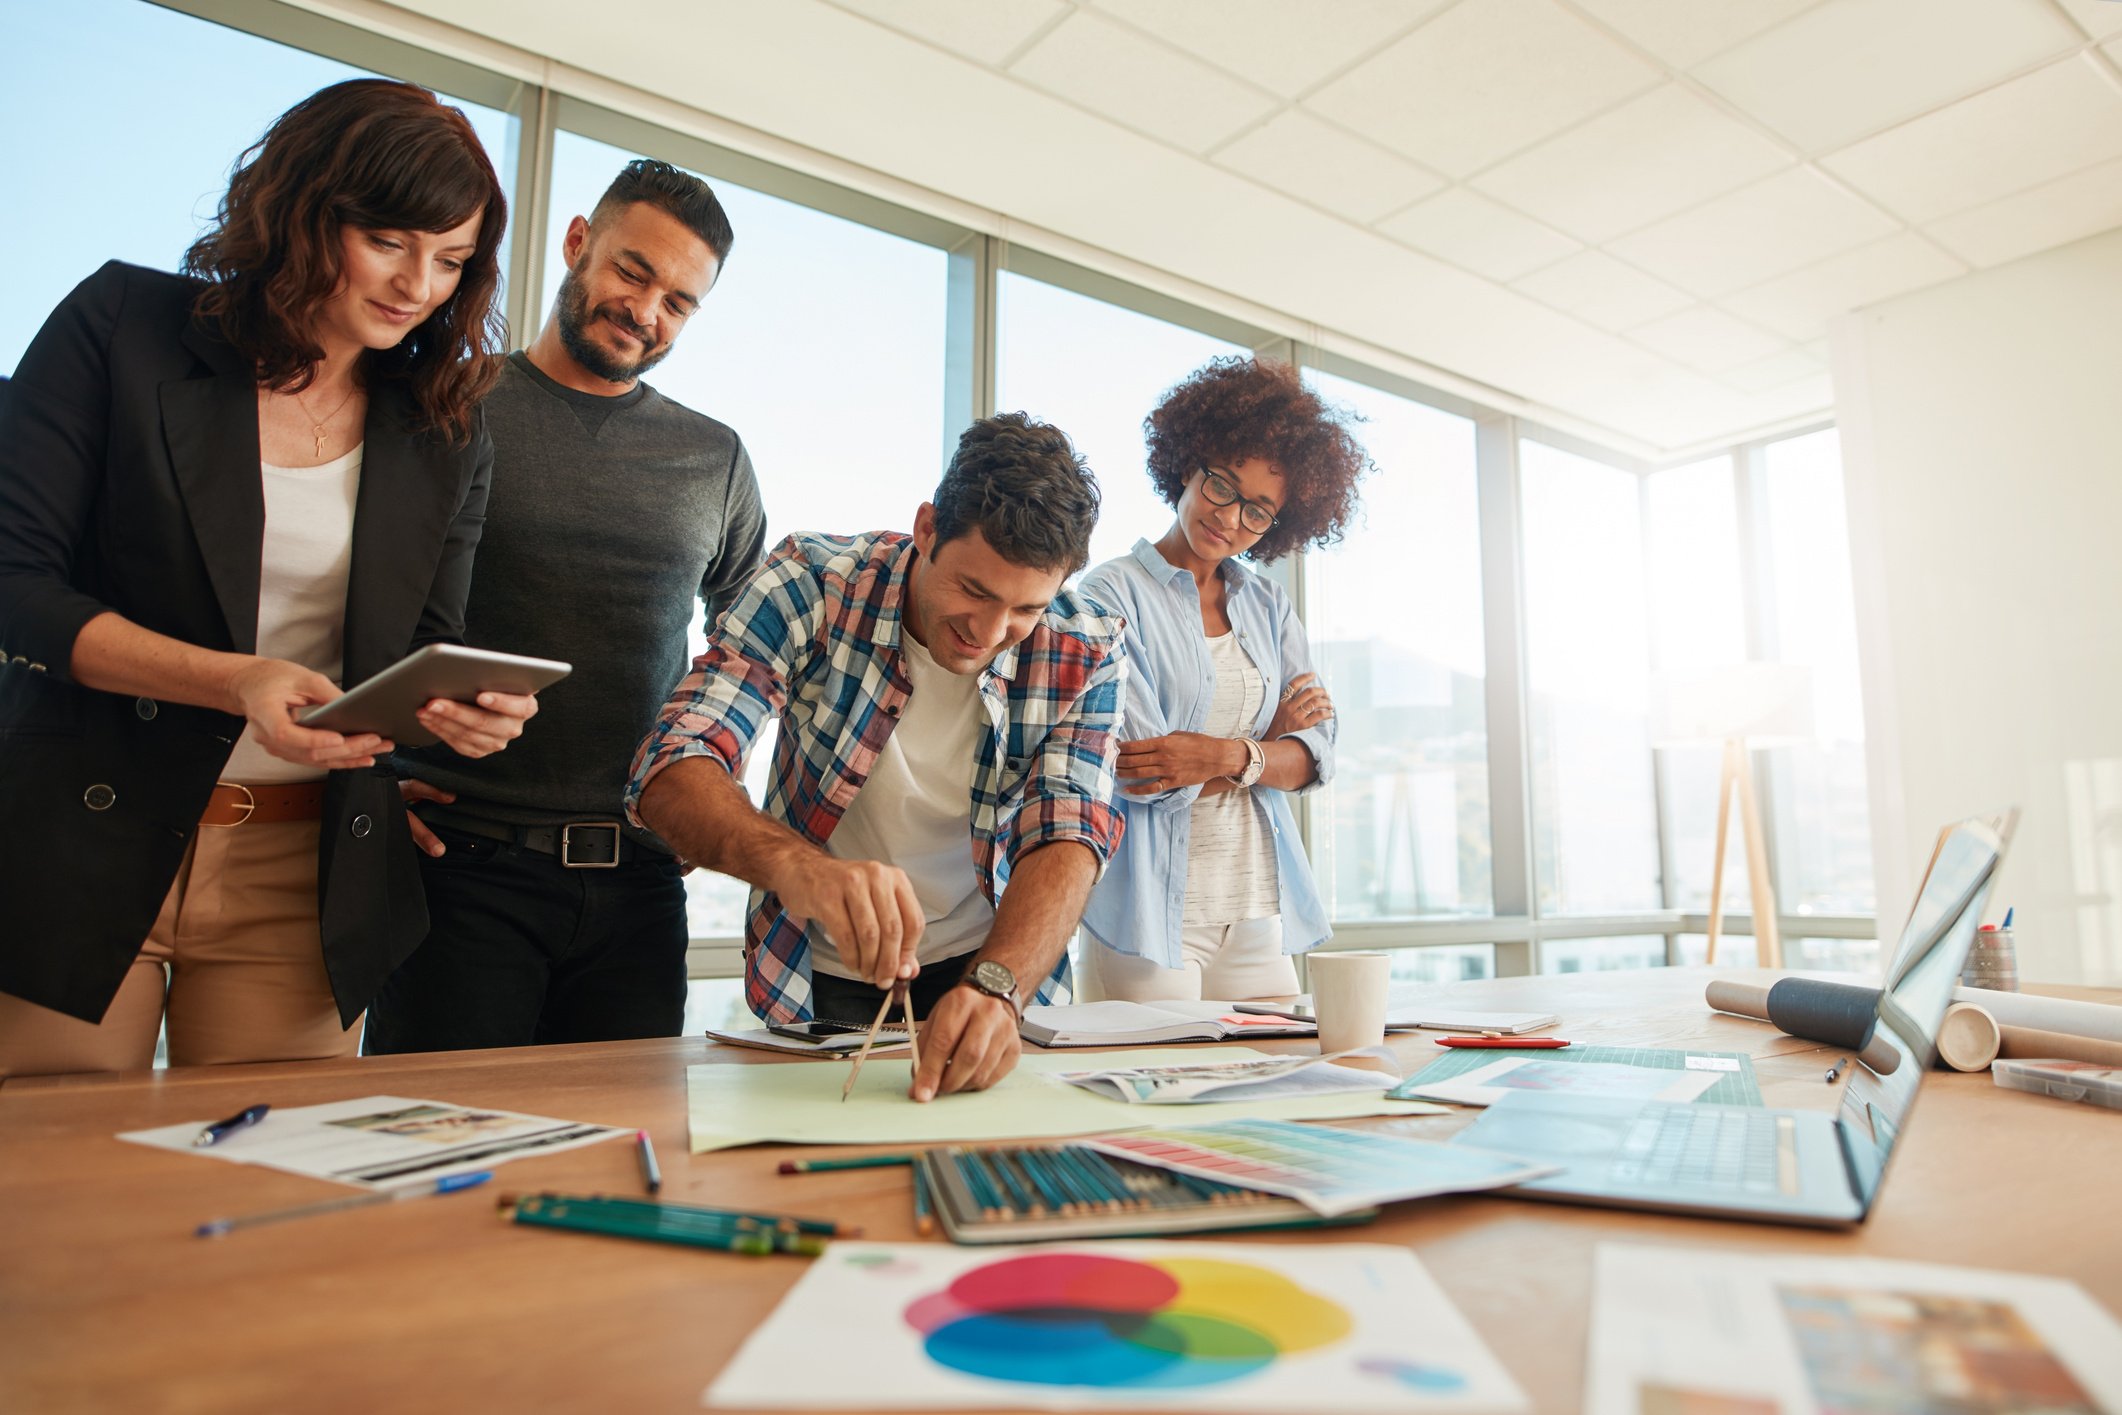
(108, 1303)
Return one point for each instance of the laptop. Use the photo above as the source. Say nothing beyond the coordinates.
(1780, 1166)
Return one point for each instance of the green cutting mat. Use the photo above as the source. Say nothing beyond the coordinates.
(1732, 1088)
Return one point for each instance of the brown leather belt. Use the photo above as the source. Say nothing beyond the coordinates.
(233, 803)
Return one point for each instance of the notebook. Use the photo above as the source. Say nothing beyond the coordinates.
(1102, 1024)
(1407, 1010)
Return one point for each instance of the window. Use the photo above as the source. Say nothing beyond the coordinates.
(1454, 963)
(822, 344)
(1394, 614)
(1594, 818)
(130, 189)
(1598, 955)
(1822, 823)
(1697, 621)
(1095, 370)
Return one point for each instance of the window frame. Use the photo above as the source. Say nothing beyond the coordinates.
(1516, 930)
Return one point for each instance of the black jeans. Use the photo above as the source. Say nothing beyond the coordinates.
(845, 1000)
(521, 950)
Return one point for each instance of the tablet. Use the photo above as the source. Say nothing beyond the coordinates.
(387, 703)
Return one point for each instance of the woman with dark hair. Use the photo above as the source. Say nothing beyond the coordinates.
(222, 495)
(1209, 894)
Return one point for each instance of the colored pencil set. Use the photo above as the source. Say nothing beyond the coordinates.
(1006, 1193)
(729, 1230)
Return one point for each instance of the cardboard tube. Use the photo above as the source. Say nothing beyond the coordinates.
(1968, 1038)
(1745, 999)
(2027, 1044)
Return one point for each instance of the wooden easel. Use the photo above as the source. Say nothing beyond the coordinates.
(1739, 771)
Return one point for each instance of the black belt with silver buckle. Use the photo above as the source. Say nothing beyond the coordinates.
(577, 845)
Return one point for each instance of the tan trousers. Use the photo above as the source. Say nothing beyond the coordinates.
(1219, 962)
(234, 965)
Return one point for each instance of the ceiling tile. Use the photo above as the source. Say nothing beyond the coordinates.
(1481, 81)
(1773, 371)
(1595, 287)
(1317, 162)
(1475, 233)
(1847, 69)
(1707, 339)
(2037, 127)
(1685, 32)
(1751, 235)
(1140, 83)
(2067, 209)
(1800, 304)
(988, 31)
(1632, 165)
(1283, 45)
(2098, 18)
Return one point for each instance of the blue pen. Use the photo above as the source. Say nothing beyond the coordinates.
(2007, 917)
(449, 1184)
(220, 1130)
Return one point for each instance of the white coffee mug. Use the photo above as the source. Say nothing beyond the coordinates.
(1348, 997)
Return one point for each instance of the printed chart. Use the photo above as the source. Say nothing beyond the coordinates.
(1172, 1326)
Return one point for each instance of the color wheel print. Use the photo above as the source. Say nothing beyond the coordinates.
(1076, 1319)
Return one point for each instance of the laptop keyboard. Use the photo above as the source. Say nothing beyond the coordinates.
(1709, 1147)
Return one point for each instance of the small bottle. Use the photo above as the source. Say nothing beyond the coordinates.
(1993, 962)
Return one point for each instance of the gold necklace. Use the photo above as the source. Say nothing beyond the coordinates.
(317, 424)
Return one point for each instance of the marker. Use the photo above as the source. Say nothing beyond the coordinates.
(650, 1174)
(1497, 1040)
(449, 1184)
(859, 1162)
(220, 1130)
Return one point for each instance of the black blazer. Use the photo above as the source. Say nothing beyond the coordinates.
(129, 481)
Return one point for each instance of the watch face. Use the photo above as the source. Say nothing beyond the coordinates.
(993, 977)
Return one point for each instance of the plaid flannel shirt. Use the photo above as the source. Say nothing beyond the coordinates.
(813, 640)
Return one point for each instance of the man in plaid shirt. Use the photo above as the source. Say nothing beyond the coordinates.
(941, 801)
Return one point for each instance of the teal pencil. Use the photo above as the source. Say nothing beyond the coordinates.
(924, 1217)
(861, 1162)
(1034, 1167)
(991, 1205)
(1017, 1198)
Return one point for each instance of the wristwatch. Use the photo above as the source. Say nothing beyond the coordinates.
(996, 980)
(1255, 763)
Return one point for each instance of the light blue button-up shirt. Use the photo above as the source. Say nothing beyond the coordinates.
(1139, 903)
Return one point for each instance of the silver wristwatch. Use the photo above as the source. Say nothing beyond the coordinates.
(1255, 763)
(996, 980)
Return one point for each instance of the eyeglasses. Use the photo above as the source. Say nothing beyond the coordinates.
(1256, 516)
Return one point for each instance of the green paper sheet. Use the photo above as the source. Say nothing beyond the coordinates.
(799, 1103)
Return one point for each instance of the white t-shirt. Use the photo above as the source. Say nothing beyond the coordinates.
(916, 811)
(1230, 858)
(309, 548)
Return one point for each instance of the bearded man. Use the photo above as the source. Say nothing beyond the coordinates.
(554, 918)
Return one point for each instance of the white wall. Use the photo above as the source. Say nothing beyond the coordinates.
(1982, 440)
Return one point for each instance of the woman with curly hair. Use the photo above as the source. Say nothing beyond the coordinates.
(222, 494)
(1210, 894)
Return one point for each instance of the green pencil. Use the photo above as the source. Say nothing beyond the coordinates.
(859, 1162)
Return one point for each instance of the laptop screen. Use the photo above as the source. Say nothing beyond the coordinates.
(1920, 982)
